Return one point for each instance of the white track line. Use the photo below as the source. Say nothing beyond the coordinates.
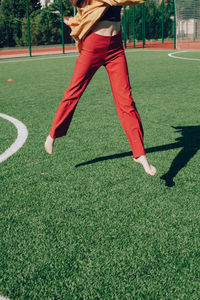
(22, 134)
(184, 58)
(147, 50)
(35, 59)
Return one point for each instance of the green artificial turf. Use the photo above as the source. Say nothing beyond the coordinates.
(8, 134)
(86, 222)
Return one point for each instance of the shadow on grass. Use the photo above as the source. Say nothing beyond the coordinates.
(189, 142)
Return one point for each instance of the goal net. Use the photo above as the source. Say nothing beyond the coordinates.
(187, 24)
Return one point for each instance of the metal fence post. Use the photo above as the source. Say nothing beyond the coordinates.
(174, 25)
(128, 22)
(133, 8)
(143, 23)
(125, 31)
(62, 26)
(28, 29)
(162, 21)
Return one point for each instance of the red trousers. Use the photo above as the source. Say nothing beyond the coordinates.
(100, 51)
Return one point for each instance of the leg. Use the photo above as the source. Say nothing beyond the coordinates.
(125, 106)
(83, 73)
(126, 109)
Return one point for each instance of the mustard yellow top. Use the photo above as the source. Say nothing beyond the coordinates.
(88, 15)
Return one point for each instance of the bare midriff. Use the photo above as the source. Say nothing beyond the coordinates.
(106, 28)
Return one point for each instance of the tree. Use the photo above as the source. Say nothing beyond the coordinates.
(13, 8)
(12, 13)
(67, 7)
(153, 20)
(46, 25)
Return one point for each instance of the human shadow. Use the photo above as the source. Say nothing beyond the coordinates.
(190, 144)
(189, 141)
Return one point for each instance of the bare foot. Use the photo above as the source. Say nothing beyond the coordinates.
(149, 169)
(49, 144)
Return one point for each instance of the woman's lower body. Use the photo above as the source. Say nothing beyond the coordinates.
(97, 51)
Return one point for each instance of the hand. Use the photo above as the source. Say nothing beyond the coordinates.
(66, 19)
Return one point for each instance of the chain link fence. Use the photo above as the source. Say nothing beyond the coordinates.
(149, 23)
(37, 29)
(28, 27)
(188, 24)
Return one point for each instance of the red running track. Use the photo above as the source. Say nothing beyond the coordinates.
(58, 50)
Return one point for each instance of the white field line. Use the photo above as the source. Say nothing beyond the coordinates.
(16, 60)
(184, 58)
(22, 134)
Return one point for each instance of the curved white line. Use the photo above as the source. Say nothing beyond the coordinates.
(22, 134)
(179, 57)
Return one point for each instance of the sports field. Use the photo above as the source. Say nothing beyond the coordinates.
(87, 222)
